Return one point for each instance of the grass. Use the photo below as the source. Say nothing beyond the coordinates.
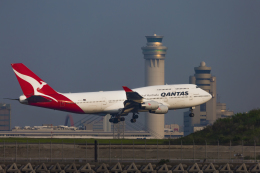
(83, 141)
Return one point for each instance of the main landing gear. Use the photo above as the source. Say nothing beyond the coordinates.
(134, 117)
(191, 112)
(116, 119)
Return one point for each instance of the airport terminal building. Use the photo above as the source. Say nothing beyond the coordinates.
(5, 117)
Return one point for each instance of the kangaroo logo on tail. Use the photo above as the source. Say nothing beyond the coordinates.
(37, 86)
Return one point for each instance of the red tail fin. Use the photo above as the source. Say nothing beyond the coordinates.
(30, 83)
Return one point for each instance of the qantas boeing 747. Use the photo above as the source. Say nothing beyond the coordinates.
(155, 99)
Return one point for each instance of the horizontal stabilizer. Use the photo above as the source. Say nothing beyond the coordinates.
(11, 99)
(37, 99)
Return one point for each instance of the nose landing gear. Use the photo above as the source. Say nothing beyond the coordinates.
(191, 112)
(134, 117)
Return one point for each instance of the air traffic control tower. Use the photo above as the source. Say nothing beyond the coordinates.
(154, 55)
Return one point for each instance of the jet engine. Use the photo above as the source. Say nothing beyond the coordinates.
(162, 109)
(23, 99)
(150, 105)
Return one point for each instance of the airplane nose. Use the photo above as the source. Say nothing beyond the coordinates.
(209, 96)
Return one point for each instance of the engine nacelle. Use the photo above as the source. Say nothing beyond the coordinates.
(150, 105)
(161, 110)
(23, 99)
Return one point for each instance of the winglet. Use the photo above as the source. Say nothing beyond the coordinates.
(127, 89)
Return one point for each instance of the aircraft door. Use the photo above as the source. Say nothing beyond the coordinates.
(62, 103)
(104, 103)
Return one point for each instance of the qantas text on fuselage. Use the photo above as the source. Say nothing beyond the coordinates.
(155, 99)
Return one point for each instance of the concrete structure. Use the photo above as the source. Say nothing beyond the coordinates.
(222, 111)
(172, 127)
(98, 126)
(5, 117)
(119, 130)
(88, 127)
(172, 131)
(106, 123)
(100, 123)
(114, 166)
(61, 131)
(206, 113)
(67, 132)
(173, 135)
(154, 55)
(44, 128)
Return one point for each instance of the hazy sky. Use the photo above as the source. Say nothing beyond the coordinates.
(78, 46)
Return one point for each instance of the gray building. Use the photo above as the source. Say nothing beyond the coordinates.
(5, 117)
(154, 55)
(222, 111)
(210, 111)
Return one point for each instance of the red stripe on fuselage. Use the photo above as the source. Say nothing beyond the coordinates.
(63, 104)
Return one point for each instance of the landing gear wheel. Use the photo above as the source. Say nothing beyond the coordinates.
(115, 120)
(135, 116)
(111, 120)
(133, 120)
(191, 114)
(122, 119)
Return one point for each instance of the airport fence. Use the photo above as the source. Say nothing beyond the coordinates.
(84, 152)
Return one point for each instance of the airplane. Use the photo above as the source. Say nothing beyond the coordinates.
(154, 99)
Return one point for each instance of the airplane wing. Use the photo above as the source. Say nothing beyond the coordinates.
(133, 96)
(132, 102)
(135, 102)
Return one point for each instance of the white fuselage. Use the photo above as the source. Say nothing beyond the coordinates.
(109, 102)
